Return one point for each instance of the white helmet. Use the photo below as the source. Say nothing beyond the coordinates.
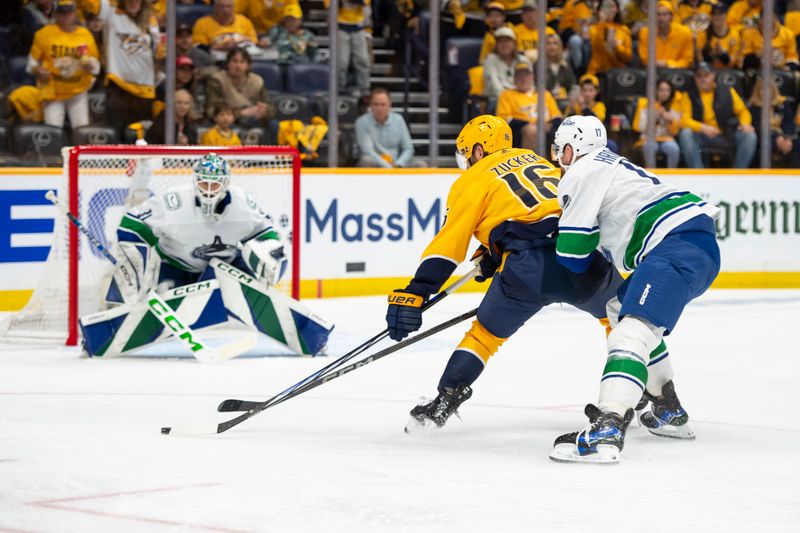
(583, 133)
(212, 176)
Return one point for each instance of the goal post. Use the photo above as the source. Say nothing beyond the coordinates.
(101, 182)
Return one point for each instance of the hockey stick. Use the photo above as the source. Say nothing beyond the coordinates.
(232, 405)
(158, 307)
(199, 429)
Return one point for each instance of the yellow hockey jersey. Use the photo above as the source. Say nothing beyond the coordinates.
(506, 195)
(217, 137)
(263, 15)
(64, 54)
(207, 31)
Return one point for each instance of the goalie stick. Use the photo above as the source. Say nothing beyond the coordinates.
(199, 429)
(159, 308)
(232, 405)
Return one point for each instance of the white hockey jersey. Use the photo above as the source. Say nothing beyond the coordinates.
(183, 237)
(610, 203)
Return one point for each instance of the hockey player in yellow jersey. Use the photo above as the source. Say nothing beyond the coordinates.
(507, 200)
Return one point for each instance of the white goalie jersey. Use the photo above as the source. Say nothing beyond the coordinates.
(183, 237)
(610, 203)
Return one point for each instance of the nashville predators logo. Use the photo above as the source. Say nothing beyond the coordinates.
(132, 43)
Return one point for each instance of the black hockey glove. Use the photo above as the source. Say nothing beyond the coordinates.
(404, 314)
(483, 259)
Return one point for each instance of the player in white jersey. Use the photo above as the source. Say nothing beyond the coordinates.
(170, 238)
(666, 237)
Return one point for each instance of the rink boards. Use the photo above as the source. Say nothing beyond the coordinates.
(363, 230)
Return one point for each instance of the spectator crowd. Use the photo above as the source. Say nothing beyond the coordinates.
(708, 55)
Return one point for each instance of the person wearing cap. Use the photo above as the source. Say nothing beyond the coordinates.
(184, 46)
(743, 13)
(264, 14)
(714, 115)
(223, 29)
(610, 39)
(498, 69)
(784, 47)
(585, 102)
(674, 41)
(720, 45)
(527, 31)
(519, 106)
(132, 45)
(495, 19)
(65, 60)
(293, 43)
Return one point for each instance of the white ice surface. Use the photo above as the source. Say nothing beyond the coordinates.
(80, 448)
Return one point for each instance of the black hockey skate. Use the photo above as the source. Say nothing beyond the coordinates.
(435, 413)
(666, 417)
(600, 442)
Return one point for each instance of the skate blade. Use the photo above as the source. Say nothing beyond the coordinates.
(683, 432)
(420, 427)
(568, 453)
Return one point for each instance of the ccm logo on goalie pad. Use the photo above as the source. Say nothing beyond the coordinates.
(411, 301)
(189, 289)
(174, 324)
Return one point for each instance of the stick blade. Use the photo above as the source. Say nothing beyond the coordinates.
(188, 430)
(232, 405)
(243, 344)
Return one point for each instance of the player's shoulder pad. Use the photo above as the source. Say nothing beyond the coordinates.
(177, 198)
(241, 197)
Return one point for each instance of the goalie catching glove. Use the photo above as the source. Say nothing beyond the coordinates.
(266, 259)
(404, 314)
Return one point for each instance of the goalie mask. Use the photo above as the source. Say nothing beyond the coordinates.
(212, 175)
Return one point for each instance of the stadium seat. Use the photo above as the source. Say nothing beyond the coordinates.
(680, 78)
(732, 78)
(95, 135)
(37, 142)
(463, 52)
(786, 82)
(5, 41)
(623, 85)
(189, 13)
(253, 136)
(346, 108)
(292, 107)
(16, 70)
(307, 79)
(270, 73)
(97, 106)
(5, 138)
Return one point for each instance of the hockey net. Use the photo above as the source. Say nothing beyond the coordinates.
(101, 182)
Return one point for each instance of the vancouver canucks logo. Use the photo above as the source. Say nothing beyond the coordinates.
(216, 249)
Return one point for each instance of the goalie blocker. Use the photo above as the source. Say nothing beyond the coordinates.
(222, 292)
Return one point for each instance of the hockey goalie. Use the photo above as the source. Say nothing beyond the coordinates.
(214, 258)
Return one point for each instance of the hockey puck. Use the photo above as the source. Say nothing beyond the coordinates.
(165, 431)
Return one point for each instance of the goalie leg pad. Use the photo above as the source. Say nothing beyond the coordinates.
(131, 327)
(271, 312)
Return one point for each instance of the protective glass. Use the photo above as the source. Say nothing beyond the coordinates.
(461, 160)
(555, 152)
